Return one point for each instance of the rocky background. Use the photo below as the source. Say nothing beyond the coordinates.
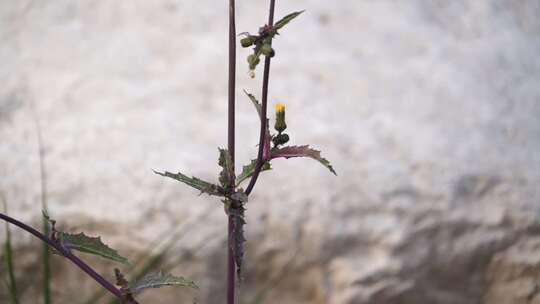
(429, 111)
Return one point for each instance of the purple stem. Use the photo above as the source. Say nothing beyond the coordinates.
(264, 103)
(231, 267)
(73, 258)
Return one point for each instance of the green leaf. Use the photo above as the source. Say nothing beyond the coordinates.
(254, 59)
(226, 177)
(164, 242)
(159, 280)
(268, 137)
(197, 183)
(92, 245)
(301, 151)
(255, 102)
(248, 170)
(281, 23)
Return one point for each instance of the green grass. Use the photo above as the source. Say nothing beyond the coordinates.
(146, 263)
(45, 251)
(8, 259)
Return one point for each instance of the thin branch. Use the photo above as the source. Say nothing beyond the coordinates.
(264, 103)
(73, 258)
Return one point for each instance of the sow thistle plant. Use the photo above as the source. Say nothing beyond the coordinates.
(272, 145)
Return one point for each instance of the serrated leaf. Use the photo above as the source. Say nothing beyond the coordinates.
(268, 137)
(197, 183)
(281, 23)
(238, 238)
(92, 245)
(302, 151)
(226, 177)
(159, 280)
(255, 102)
(248, 170)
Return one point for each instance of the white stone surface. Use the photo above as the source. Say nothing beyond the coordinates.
(429, 111)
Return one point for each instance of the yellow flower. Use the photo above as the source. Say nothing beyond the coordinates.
(280, 125)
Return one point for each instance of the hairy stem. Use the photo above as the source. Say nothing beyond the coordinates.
(264, 103)
(73, 258)
(231, 269)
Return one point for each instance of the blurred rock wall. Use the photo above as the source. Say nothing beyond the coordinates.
(429, 111)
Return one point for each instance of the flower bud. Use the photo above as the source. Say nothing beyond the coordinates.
(284, 138)
(280, 139)
(253, 60)
(280, 124)
(267, 50)
(247, 41)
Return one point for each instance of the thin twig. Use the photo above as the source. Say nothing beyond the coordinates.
(264, 103)
(66, 253)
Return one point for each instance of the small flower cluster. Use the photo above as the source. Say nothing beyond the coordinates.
(263, 41)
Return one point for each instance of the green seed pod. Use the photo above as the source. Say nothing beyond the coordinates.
(247, 41)
(267, 50)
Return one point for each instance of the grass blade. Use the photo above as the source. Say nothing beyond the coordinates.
(144, 263)
(8, 256)
(45, 252)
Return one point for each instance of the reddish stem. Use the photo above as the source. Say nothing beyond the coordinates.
(264, 103)
(231, 267)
